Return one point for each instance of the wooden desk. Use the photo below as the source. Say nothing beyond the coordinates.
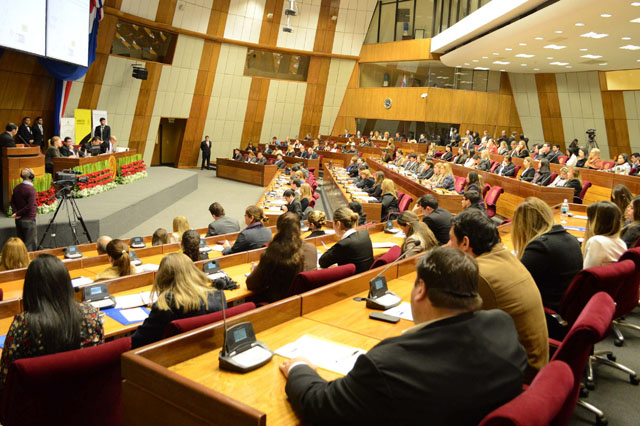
(255, 174)
(62, 163)
(13, 161)
(332, 177)
(309, 163)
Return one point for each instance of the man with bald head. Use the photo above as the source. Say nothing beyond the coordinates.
(25, 209)
(101, 244)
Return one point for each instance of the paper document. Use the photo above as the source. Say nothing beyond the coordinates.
(217, 247)
(323, 353)
(134, 315)
(278, 202)
(577, 216)
(274, 210)
(148, 267)
(383, 245)
(80, 281)
(574, 228)
(403, 311)
(147, 299)
(400, 235)
(129, 301)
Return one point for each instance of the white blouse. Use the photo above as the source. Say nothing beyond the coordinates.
(602, 250)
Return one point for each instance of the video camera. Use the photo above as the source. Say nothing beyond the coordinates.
(68, 178)
(591, 133)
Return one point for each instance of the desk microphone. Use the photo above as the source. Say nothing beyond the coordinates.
(380, 297)
(241, 352)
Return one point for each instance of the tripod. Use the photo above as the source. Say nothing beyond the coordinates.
(592, 143)
(67, 200)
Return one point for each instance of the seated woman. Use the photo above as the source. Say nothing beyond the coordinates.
(291, 152)
(521, 150)
(182, 291)
(180, 225)
(631, 232)
(492, 148)
(504, 148)
(437, 176)
(582, 158)
(366, 180)
(284, 258)
(485, 161)
(473, 182)
(356, 207)
(354, 246)
(448, 181)
(419, 237)
(574, 181)
(622, 166)
(118, 253)
(472, 161)
(561, 179)
(602, 243)
(237, 155)
(543, 175)
(462, 156)
(448, 155)
(254, 236)
(52, 321)
(316, 220)
(14, 255)
(191, 246)
(546, 249)
(594, 161)
(529, 172)
(160, 237)
(55, 143)
(305, 196)
(621, 197)
(376, 189)
(389, 200)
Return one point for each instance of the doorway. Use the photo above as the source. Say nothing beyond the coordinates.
(170, 134)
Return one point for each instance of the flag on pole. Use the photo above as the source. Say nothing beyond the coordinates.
(404, 80)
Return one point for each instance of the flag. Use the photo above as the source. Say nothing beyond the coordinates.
(404, 80)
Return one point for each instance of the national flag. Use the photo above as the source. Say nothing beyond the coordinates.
(404, 80)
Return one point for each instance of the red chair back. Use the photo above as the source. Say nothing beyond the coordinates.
(517, 169)
(629, 293)
(187, 324)
(485, 189)
(309, 280)
(606, 165)
(494, 166)
(553, 177)
(460, 181)
(405, 203)
(79, 387)
(585, 185)
(390, 256)
(540, 403)
(562, 159)
(491, 199)
(589, 328)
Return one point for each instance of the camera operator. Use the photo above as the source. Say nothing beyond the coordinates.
(25, 209)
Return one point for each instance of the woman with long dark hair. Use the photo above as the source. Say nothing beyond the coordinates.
(118, 253)
(52, 321)
(191, 245)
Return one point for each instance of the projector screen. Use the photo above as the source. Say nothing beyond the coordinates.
(22, 25)
(68, 30)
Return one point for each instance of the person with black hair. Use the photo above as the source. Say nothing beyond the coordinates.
(472, 200)
(622, 167)
(542, 176)
(221, 224)
(506, 168)
(293, 204)
(191, 245)
(37, 130)
(6, 138)
(427, 170)
(67, 149)
(357, 208)
(205, 147)
(52, 321)
(418, 375)
(353, 247)
(25, 209)
(25, 134)
(436, 218)
(504, 283)
(237, 155)
(295, 186)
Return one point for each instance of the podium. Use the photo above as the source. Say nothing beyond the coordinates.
(14, 160)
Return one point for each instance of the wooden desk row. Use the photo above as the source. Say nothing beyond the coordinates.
(405, 146)
(335, 178)
(309, 163)
(255, 174)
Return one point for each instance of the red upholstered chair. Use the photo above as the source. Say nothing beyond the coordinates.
(438, 154)
(485, 189)
(606, 165)
(494, 166)
(400, 196)
(491, 200)
(585, 186)
(553, 177)
(405, 202)
(517, 170)
(316, 195)
(627, 296)
(589, 328)
(187, 324)
(1, 294)
(312, 203)
(562, 159)
(390, 256)
(79, 387)
(460, 181)
(540, 403)
(309, 280)
(270, 161)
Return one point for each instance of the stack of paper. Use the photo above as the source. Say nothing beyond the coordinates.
(323, 353)
(81, 281)
(403, 311)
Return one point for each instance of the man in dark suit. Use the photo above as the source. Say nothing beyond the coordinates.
(38, 133)
(427, 172)
(67, 149)
(354, 246)
(205, 147)
(418, 377)
(280, 162)
(473, 200)
(293, 205)
(109, 145)
(547, 154)
(506, 168)
(436, 218)
(25, 135)
(103, 131)
(6, 141)
(261, 160)
(221, 224)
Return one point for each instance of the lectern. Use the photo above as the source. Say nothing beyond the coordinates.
(14, 160)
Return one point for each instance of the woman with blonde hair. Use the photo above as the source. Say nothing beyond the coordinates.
(389, 200)
(55, 143)
(547, 250)
(353, 247)
(419, 237)
(366, 180)
(504, 148)
(602, 243)
(14, 255)
(376, 189)
(182, 290)
(254, 236)
(316, 220)
(305, 196)
(448, 182)
(485, 161)
(594, 161)
(180, 225)
(118, 254)
(432, 151)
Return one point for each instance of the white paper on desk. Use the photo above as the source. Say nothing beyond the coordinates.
(577, 216)
(323, 353)
(80, 281)
(277, 202)
(329, 231)
(217, 247)
(274, 210)
(147, 299)
(403, 311)
(400, 235)
(129, 301)
(148, 267)
(134, 315)
(383, 245)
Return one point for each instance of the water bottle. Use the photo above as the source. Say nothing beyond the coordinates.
(564, 211)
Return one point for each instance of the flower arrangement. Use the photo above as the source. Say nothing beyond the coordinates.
(99, 179)
(131, 169)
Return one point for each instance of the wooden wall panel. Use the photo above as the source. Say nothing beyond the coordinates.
(270, 26)
(326, 30)
(166, 10)
(550, 114)
(256, 106)
(615, 120)
(406, 50)
(144, 107)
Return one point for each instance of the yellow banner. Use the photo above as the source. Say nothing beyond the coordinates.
(83, 125)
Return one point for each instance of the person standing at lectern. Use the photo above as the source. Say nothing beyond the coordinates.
(103, 131)
(6, 141)
(25, 135)
(25, 209)
(38, 133)
(205, 147)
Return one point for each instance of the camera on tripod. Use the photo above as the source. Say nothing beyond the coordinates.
(591, 133)
(68, 178)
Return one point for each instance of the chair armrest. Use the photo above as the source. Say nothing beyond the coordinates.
(554, 343)
(556, 316)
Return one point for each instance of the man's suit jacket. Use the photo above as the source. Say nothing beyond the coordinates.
(104, 135)
(425, 376)
(527, 174)
(509, 170)
(38, 137)
(223, 225)
(281, 164)
(262, 161)
(24, 134)
(6, 141)
(295, 207)
(356, 249)
(105, 146)
(426, 174)
(552, 156)
(205, 148)
(484, 164)
(66, 152)
(439, 221)
(252, 237)
(447, 156)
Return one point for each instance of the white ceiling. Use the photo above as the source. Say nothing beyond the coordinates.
(561, 24)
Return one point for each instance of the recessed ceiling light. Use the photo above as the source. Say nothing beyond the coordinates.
(485, 57)
(539, 38)
(474, 60)
(591, 56)
(559, 63)
(481, 68)
(579, 24)
(554, 47)
(630, 47)
(568, 66)
(496, 53)
(584, 49)
(536, 69)
(606, 15)
(558, 32)
(467, 63)
(501, 63)
(523, 44)
(592, 34)
(635, 3)
(524, 55)
(549, 57)
(604, 63)
(502, 70)
(508, 48)
(626, 38)
(523, 65)
(636, 21)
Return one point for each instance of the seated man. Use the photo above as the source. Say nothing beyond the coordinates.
(295, 186)
(435, 217)
(427, 375)
(504, 283)
(293, 205)
(280, 162)
(221, 224)
(261, 160)
(473, 200)
(67, 149)
(101, 244)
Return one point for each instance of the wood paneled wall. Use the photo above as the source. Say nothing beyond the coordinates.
(550, 109)
(615, 120)
(256, 106)
(393, 51)
(343, 120)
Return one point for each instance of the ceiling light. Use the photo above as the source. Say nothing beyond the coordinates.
(591, 56)
(549, 57)
(584, 49)
(592, 34)
(606, 15)
(554, 47)
(568, 66)
(626, 38)
(604, 63)
(501, 63)
(467, 63)
(475, 60)
(579, 24)
(558, 32)
(508, 48)
(559, 63)
(481, 68)
(502, 70)
(636, 21)
(536, 69)
(635, 3)
(485, 57)
(523, 44)
(630, 47)
(539, 38)
(523, 65)
(524, 55)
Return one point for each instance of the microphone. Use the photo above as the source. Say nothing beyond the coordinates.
(402, 256)
(219, 284)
